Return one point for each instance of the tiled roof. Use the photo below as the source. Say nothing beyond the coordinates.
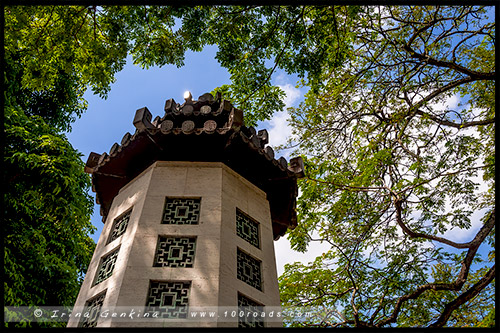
(208, 129)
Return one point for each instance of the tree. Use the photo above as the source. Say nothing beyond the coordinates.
(47, 208)
(392, 165)
(53, 54)
(47, 247)
(253, 41)
(50, 60)
(87, 46)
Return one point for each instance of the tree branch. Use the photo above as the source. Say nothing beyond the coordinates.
(488, 225)
(444, 122)
(452, 173)
(43, 28)
(462, 275)
(464, 297)
(348, 187)
(439, 91)
(440, 63)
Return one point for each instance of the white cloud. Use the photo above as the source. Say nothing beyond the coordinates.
(466, 235)
(292, 94)
(281, 78)
(448, 103)
(285, 255)
(279, 130)
(452, 102)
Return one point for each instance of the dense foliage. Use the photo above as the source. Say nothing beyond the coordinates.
(394, 165)
(47, 209)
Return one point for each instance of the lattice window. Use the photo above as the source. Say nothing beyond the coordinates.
(249, 270)
(247, 228)
(175, 252)
(249, 307)
(93, 308)
(169, 299)
(181, 211)
(119, 226)
(106, 267)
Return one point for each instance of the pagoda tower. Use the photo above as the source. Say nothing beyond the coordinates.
(191, 203)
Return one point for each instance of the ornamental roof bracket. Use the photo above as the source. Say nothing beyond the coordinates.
(297, 166)
(142, 119)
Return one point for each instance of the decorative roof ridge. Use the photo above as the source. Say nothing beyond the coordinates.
(234, 123)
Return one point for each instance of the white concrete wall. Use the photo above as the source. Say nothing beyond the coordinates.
(213, 278)
(131, 196)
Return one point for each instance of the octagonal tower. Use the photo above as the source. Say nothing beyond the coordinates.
(191, 204)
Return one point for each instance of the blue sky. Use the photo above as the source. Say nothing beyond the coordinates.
(107, 120)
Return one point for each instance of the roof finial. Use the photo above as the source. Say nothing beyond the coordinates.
(187, 96)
